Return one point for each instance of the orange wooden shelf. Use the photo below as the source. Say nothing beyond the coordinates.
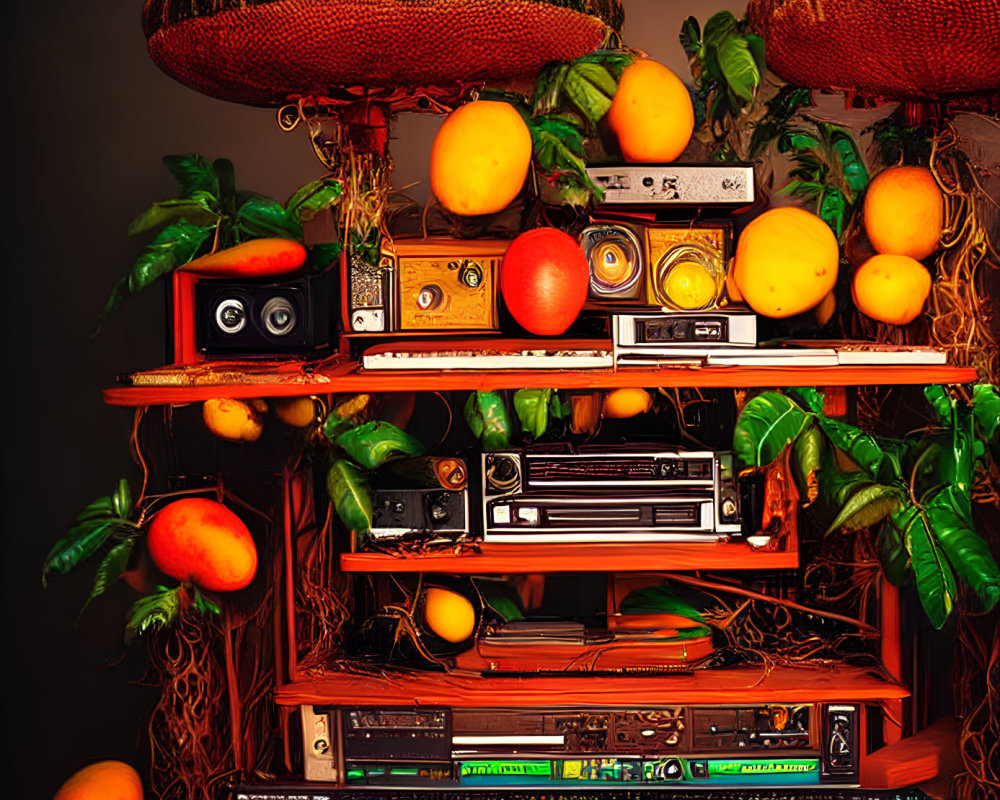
(173, 385)
(739, 685)
(534, 558)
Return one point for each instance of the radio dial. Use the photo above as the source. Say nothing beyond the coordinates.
(471, 275)
(429, 297)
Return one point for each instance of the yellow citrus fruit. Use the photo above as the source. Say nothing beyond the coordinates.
(627, 402)
(232, 419)
(891, 288)
(690, 285)
(786, 262)
(904, 212)
(825, 308)
(105, 780)
(480, 158)
(449, 615)
(651, 113)
(299, 412)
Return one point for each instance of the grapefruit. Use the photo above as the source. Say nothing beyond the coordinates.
(199, 540)
(651, 113)
(891, 288)
(786, 262)
(544, 279)
(480, 158)
(105, 780)
(904, 212)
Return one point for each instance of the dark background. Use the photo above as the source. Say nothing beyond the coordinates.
(88, 118)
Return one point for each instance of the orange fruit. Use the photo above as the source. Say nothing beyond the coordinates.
(199, 540)
(299, 412)
(825, 308)
(651, 113)
(904, 212)
(480, 158)
(891, 288)
(690, 285)
(231, 419)
(627, 402)
(449, 615)
(786, 262)
(105, 780)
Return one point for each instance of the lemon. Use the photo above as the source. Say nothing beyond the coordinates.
(627, 402)
(690, 285)
(232, 419)
(449, 615)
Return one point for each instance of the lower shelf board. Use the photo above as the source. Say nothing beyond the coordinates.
(536, 558)
(830, 683)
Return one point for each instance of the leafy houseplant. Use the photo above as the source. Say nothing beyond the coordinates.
(918, 490)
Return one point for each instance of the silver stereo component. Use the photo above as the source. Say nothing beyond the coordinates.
(605, 494)
(701, 185)
(644, 335)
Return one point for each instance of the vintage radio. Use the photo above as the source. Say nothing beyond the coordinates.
(422, 286)
(691, 747)
(609, 494)
(694, 185)
(268, 317)
(429, 505)
(642, 334)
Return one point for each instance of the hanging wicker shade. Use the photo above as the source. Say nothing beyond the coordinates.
(895, 49)
(263, 52)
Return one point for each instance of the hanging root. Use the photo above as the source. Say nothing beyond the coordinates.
(977, 703)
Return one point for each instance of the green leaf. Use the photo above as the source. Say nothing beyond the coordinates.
(956, 462)
(372, 444)
(798, 140)
(121, 500)
(314, 198)
(767, 423)
(225, 173)
(158, 610)
(867, 504)
(532, 408)
(832, 209)
(590, 87)
(487, 417)
(320, 256)
(949, 513)
(660, 599)
(82, 541)
(558, 408)
(851, 162)
(263, 217)
(739, 67)
(718, 27)
(690, 37)
(101, 508)
(204, 605)
(893, 554)
(548, 89)
(199, 209)
(935, 580)
(194, 174)
(757, 49)
(986, 408)
(806, 459)
(351, 498)
(109, 570)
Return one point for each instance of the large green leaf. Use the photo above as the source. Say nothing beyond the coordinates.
(739, 67)
(660, 599)
(690, 37)
(487, 417)
(766, 425)
(807, 453)
(948, 510)
(372, 444)
(199, 209)
(865, 503)
(121, 500)
(718, 27)
(158, 610)
(82, 541)
(757, 49)
(986, 408)
(262, 217)
(532, 408)
(851, 161)
(351, 499)
(956, 461)
(590, 87)
(893, 554)
(314, 198)
(935, 580)
(194, 174)
(832, 209)
(110, 569)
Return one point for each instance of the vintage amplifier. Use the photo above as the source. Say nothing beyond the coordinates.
(609, 494)
(423, 286)
(430, 502)
(805, 744)
(641, 334)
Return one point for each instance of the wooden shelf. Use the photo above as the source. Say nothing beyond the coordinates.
(176, 385)
(740, 685)
(632, 557)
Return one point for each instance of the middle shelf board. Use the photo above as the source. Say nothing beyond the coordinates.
(827, 683)
(536, 558)
(175, 385)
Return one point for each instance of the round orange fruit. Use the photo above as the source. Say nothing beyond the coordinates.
(199, 540)
(651, 113)
(904, 212)
(233, 420)
(627, 402)
(891, 288)
(105, 780)
(786, 262)
(449, 615)
(480, 158)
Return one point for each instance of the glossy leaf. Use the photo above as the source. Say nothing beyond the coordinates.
(893, 554)
(101, 508)
(986, 408)
(110, 569)
(262, 217)
(158, 610)
(590, 87)
(719, 26)
(344, 415)
(351, 499)
(487, 417)
(949, 513)
(372, 444)
(659, 599)
(558, 408)
(121, 500)
(613, 61)
(935, 580)
(806, 460)
(204, 605)
(199, 209)
(690, 37)
(866, 504)
(739, 67)
(832, 209)
(532, 408)
(313, 198)
(851, 161)
(757, 49)
(767, 423)
(194, 174)
(78, 545)
(956, 461)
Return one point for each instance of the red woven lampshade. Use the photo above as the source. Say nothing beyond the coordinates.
(895, 49)
(263, 52)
